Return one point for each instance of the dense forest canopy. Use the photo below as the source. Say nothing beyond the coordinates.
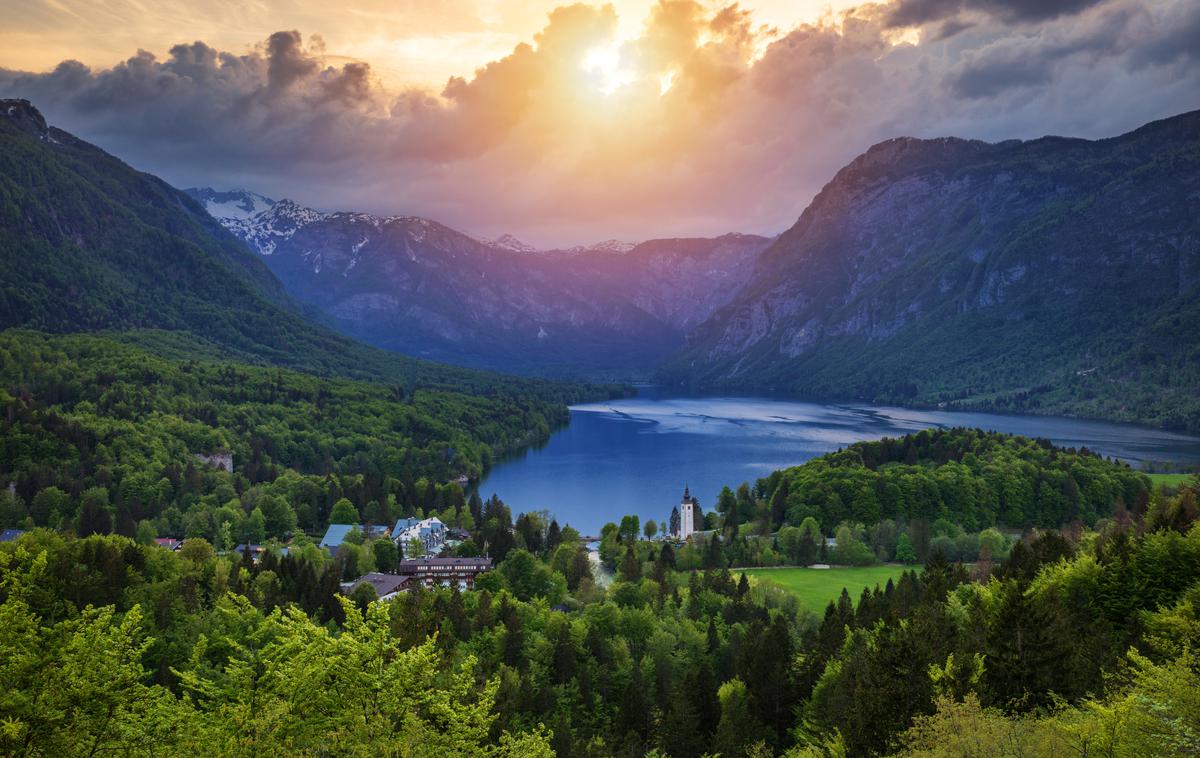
(973, 478)
(98, 430)
(1074, 641)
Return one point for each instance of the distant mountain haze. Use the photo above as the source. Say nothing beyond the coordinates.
(416, 286)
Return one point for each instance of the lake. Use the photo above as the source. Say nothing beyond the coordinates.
(636, 454)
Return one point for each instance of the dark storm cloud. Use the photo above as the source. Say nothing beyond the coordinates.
(1179, 43)
(1032, 60)
(919, 12)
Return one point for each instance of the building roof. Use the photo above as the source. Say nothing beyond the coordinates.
(411, 527)
(8, 535)
(335, 535)
(384, 584)
(412, 565)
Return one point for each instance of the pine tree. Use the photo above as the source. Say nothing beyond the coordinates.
(631, 567)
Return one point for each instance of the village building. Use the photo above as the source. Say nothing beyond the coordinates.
(430, 533)
(386, 586)
(335, 535)
(444, 572)
(375, 531)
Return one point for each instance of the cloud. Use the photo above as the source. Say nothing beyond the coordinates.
(919, 12)
(704, 122)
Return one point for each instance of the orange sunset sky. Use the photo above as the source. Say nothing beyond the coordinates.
(571, 123)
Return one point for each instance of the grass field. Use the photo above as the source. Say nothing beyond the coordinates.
(1169, 480)
(816, 587)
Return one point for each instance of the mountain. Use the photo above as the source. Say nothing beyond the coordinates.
(236, 204)
(416, 286)
(89, 244)
(1054, 275)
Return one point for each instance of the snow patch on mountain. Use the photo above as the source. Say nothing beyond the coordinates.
(607, 246)
(232, 204)
(512, 244)
(264, 231)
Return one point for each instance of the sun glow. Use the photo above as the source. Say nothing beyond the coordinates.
(604, 68)
(665, 82)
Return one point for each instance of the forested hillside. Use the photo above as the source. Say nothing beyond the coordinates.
(1075, 639)
(87, 243)
(1052, 276)
(99, 435)
(972, 478)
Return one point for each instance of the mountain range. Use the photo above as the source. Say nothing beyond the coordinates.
(419, 287)
(89, 244)
(1052, 275)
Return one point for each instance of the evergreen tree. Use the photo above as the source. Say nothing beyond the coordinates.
(631, 567)
(738, 726)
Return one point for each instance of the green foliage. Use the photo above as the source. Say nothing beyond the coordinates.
(104, 434)
(966, 478)
(88, 244)
(343, 512)
(1156, 715)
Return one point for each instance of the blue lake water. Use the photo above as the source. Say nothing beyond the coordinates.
(634, 455)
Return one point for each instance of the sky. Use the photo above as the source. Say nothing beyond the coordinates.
(568, 124)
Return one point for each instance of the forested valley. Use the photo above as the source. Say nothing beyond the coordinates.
(1070, 639)
(98, 435)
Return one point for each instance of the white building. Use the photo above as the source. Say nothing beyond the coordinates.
(689, 515)
(430, 532)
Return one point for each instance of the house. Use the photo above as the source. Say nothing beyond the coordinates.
(335, 535)
(256, 551)
(375, 531)
(430, 532)
(9, 535)
(168, 543)
(387, 586)
(444, 572)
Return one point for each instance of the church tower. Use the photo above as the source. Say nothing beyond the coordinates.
(689, 514)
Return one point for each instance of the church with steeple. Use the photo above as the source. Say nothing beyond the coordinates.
(686, 518)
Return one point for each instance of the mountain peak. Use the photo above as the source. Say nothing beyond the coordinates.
(509, 242)
(26, 117)
(236, 204)
(607, 246)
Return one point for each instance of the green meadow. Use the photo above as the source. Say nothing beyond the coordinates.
(1169, 480)
(816, 587)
